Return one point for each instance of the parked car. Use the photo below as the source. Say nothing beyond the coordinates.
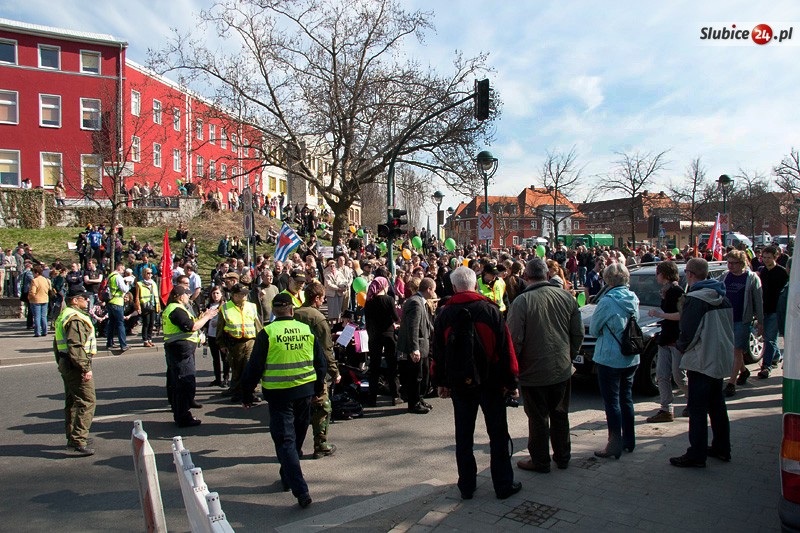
(647, 289)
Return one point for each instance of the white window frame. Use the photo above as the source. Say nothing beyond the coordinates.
(99, 113)
(234, 141)
(136, 103)
(212, 133)
(176, 160)
(99, 62)
(14, 102)
(11, 161)
(246, 148)
(515, 224)
(99, 168)
(176, 118)
(212, 169)
(136, 149)
(576, 225)
(43, 106)
(42, 166)
(534, 224)
(223, 172)
(157, 111)
(198, 129)
(49, 47)
(13, 43)
(156, 155)
(514, 240)
(199, 166)
(223, 138)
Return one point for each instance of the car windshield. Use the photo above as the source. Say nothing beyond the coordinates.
(647, 289)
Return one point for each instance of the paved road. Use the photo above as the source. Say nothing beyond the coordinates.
(392, 470)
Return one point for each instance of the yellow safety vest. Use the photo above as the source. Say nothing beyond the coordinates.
(240, 323)
(290, 358)
(298, 300)
(117, 296)
(173, 333)
(146, 296)
(494, 293)
(68, 314)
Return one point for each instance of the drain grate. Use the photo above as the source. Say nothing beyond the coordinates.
(587, 463)
(532, 513)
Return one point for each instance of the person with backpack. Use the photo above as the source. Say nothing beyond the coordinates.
(466, 327)
(613, 315)
(547, 331)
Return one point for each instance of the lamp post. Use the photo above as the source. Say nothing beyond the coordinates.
(438, 196)
(487, 165)
(450, 212)
(725, 183)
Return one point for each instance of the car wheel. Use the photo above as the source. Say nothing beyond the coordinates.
(755, 350)
(645, 381)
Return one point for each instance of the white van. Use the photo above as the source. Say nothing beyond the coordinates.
(733, 238)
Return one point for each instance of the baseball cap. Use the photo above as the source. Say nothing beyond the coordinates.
(282, 300)
(179, 290)
(490, 268)
(298, 274)
(239, 289)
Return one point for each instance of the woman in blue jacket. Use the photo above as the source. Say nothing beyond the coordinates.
(615, 371)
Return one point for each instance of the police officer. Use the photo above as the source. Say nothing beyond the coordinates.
(75, 345)
(237, 326)
(321, 409)
(148, 304)
(181, 337)
(491, 285)
(291, 366)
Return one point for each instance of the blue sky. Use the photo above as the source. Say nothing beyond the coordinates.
(603, 77)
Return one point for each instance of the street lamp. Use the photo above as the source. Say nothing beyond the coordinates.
(450, 212)
(725, 183)
(438, 196)
(487, 165)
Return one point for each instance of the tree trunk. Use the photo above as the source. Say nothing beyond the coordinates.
(340, 220)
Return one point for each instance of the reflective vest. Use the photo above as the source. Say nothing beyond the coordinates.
(290, 358)
(495, 292)
(147, 296)
(173, 333)
(298, 300)
(117, 296)
(240, 323)
(68, 314)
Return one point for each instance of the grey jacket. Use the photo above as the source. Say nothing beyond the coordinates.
(547, 331)
(706, 338)
(753, 298)
(416, 328)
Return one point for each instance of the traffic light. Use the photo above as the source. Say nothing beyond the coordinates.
(383, 231)
(397, 219)
(482, 99)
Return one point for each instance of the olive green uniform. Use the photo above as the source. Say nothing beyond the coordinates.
(80, 400)
(320, 405)
(239, 349)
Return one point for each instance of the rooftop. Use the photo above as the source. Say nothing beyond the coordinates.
(49, 31)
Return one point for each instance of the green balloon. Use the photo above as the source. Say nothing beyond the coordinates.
(322, 225)
(359, 284)
(540, 251)
(382, 246)
(416, 242)
(450, 244)
(360, 232)
(581, 298)
(675, 251)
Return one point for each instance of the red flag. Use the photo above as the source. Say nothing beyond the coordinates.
(166, 269)
(715, 241)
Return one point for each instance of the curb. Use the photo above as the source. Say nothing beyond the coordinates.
(50, 358)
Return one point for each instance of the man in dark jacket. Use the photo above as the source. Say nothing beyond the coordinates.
(414, 345)
(547, 331)
(493, 352)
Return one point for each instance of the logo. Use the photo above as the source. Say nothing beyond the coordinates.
(746, 34)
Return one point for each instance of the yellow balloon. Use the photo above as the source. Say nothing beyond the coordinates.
(406, 254)
(465, 262)
(352, 229)
(361, 298)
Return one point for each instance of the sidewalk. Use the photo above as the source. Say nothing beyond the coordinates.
(19, 346)
(639, 492)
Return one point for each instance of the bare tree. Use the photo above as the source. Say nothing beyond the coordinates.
(506, 219)
(747, 201)
(412, 192)
(787, 179)
(694, 190)
(326, 75)
(631, 176)
(560, 176)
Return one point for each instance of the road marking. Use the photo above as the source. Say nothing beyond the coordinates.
(147, 411)
(359, 510)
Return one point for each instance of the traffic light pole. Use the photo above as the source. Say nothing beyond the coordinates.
(390, 199)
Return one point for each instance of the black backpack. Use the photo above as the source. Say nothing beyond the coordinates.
(632, 342)
(465, 362)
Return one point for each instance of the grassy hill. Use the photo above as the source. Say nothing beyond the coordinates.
(208, 228)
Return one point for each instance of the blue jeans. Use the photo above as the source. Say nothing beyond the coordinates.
(115, 325)
(616, 387)
(582, 275)
(706, 402)
(288, 425)
(40, 319)
(465, 411)
(771, 351)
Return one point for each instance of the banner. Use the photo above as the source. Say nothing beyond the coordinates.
(166, 270)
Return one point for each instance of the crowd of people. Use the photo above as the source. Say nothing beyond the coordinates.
(485, 329)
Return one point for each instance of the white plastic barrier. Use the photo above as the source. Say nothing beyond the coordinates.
(144, 463)
(203, 508)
